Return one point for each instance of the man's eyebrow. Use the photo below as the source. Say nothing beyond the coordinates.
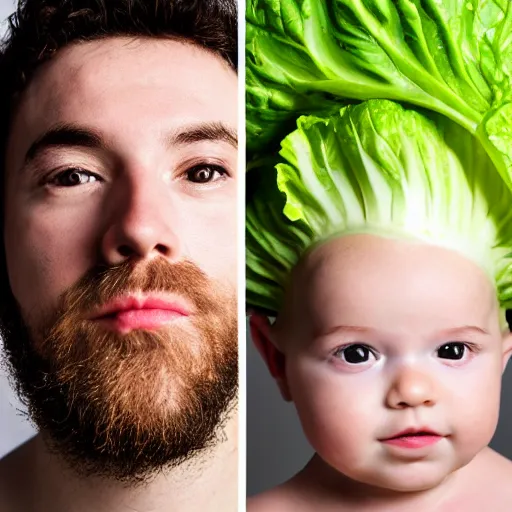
(64, 135)
(215, 131)
(68, 135)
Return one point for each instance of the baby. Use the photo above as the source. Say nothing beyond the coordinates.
(382, 248)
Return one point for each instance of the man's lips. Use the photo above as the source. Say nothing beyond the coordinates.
(140, 312)
(414, 438)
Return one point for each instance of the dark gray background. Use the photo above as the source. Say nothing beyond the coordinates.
(276, 447)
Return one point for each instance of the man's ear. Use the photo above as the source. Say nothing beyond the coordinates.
(507, 348)
(273, 357)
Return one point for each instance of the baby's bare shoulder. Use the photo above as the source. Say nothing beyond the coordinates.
(279, 499)
(490, 483)
(264, 501)
(269, 501)
(498, 471)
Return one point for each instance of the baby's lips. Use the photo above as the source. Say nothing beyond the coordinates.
(413, 431)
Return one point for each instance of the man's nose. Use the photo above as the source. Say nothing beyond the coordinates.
(411, 387)
(140, 223)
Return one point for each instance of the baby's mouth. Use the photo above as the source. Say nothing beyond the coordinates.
(413, 438)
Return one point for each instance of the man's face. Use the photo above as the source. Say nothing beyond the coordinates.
(122, 159)
(383, 338)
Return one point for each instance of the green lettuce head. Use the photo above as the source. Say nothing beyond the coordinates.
(449, 56)
(384, 169)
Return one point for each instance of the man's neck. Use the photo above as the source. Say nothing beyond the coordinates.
(45, 484)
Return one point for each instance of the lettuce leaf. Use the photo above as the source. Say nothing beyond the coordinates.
(311, 57)
(377, 167)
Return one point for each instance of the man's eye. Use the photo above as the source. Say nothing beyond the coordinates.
(73, 177)
(205, 173)
(454, 350)
(355, 354)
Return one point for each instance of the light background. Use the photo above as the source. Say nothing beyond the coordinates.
(14, 427)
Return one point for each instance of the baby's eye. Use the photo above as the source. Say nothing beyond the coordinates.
(355, 353)
(453, 350)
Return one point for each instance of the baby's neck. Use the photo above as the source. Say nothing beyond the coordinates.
(331, 490)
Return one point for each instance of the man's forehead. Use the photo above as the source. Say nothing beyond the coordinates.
(144, 61)
(88, 72)
(119, 84)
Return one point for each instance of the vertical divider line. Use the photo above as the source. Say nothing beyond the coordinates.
(242, 342)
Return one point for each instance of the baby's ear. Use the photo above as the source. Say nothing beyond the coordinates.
(507, 348)
(262, 337)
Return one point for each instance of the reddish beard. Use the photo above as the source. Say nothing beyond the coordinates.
(126, 405)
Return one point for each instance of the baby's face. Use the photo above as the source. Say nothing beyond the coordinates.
(383, 336)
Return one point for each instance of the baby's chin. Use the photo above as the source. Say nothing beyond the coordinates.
(411, 477)
(376, 476)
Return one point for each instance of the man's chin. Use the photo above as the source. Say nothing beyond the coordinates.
(138, 443)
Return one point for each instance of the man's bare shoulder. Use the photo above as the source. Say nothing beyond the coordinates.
(14, 471)
(18, 457)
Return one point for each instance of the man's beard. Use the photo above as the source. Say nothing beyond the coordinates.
(126, 405)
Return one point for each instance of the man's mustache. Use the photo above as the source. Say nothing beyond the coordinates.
(101, 285)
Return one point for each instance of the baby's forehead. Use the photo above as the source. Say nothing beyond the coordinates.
(380, 280)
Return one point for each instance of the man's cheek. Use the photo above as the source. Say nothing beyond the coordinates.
(212, 250)
(41, 272)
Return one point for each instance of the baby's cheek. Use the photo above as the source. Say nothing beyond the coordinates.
(336, 425)
(477, 426)
(474, 412)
